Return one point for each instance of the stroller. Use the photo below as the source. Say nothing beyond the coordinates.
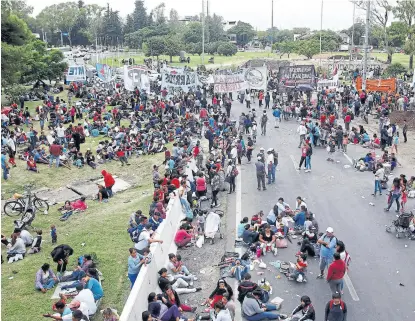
(402, 226)
(212, 225)
(27, 218)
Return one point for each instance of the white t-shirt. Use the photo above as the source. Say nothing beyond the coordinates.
(26, 237)
(60, 132)
(142, 240)
(86, 296)
(82, 307)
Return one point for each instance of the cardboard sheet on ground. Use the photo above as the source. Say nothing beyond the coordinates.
(89, 188)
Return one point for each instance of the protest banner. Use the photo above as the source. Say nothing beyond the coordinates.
(256, 77)
(297, 75)
(104, 72)
(76, 73)
(179, 79)
(132, 76)
(381, 85)
(229, 83)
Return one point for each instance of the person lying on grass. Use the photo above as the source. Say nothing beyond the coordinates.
(69, 208)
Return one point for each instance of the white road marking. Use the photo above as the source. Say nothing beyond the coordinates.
(238, 207)
(348, 158)
(295, 164)
(351, 288)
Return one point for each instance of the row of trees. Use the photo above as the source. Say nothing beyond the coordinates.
(24, 58)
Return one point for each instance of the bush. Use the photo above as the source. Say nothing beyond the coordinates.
(227, 49)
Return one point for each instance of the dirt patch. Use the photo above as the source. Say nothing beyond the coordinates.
(397, 117)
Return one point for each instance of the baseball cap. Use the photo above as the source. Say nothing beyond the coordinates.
(259, 158)
(329, 230)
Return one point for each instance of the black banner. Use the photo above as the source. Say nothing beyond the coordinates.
(296, 75)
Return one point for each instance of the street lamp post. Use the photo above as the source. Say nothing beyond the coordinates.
(272, 23)
(352, 44)
(203, 32)
(366, 46)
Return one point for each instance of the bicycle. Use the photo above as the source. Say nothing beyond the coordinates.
(18, 206)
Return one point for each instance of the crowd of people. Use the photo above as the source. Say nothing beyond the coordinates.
(133, 124)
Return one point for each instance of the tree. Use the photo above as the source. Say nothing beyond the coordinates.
(405, 12)
(380, 11)
(284, 35)
(212, 47)
(176, 26)
(227, 49)
(158, 14)
(55, 64)
(301, 31)
(286, 47)
(193, 34)
(129, 25)
(172, 46)
(308, 48)
(139, 15)
(14, 31)
(359, 32)
(394, 70)
(155, 46)
(14, 92)
(330, 40)
(244, 33)
(214, 28)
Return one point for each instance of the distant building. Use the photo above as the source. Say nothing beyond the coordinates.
(345, 38)
(228, 25)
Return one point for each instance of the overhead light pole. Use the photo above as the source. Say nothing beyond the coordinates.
(352, 44)
(203, 32)
(366, 46)
(272, 23)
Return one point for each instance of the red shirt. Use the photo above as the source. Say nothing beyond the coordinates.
(181, 235)
(347, 119)
(323, 119)
(175, 182)
(336, 270)
(331, 119)
(304, 151)
(120, 153)
(196, 151)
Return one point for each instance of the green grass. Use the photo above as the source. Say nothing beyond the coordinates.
(196, 60)
(102, 227)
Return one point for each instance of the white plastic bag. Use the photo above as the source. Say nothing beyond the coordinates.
(200, 241)
(262, 265)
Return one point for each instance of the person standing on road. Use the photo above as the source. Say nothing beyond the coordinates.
(260, 173)
(277, 116)
(404, 131)
(248, 100)
(335, 274)
(249, 149)
(379, 176)
(302, 131)
(304, 150)
(328, 246)
(267, 99)
(271, 166)
(264, 120)
(336, 309)
(215, 187)
(230, 172)
(308, 158)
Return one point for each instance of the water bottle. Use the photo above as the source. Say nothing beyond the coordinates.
(258, 252)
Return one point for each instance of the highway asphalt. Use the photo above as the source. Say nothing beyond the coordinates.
(381, 278)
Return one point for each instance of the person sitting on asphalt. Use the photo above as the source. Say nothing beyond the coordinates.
(217, 294)
(179, 271)
(249, 236)
(182, 238)
(299, 218)
(159, 310)
(254, 310)
(45, 278)
(245, 287)
(305, 311)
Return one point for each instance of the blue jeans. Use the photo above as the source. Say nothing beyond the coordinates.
(378, 188)
(308, 162)
(188, 210)
(132, 278)
(240, 271)
(48, 285)
(5, 172)
(42, 123)
(52, 158)
(264, 315)
(394, 197)
(271, 175)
